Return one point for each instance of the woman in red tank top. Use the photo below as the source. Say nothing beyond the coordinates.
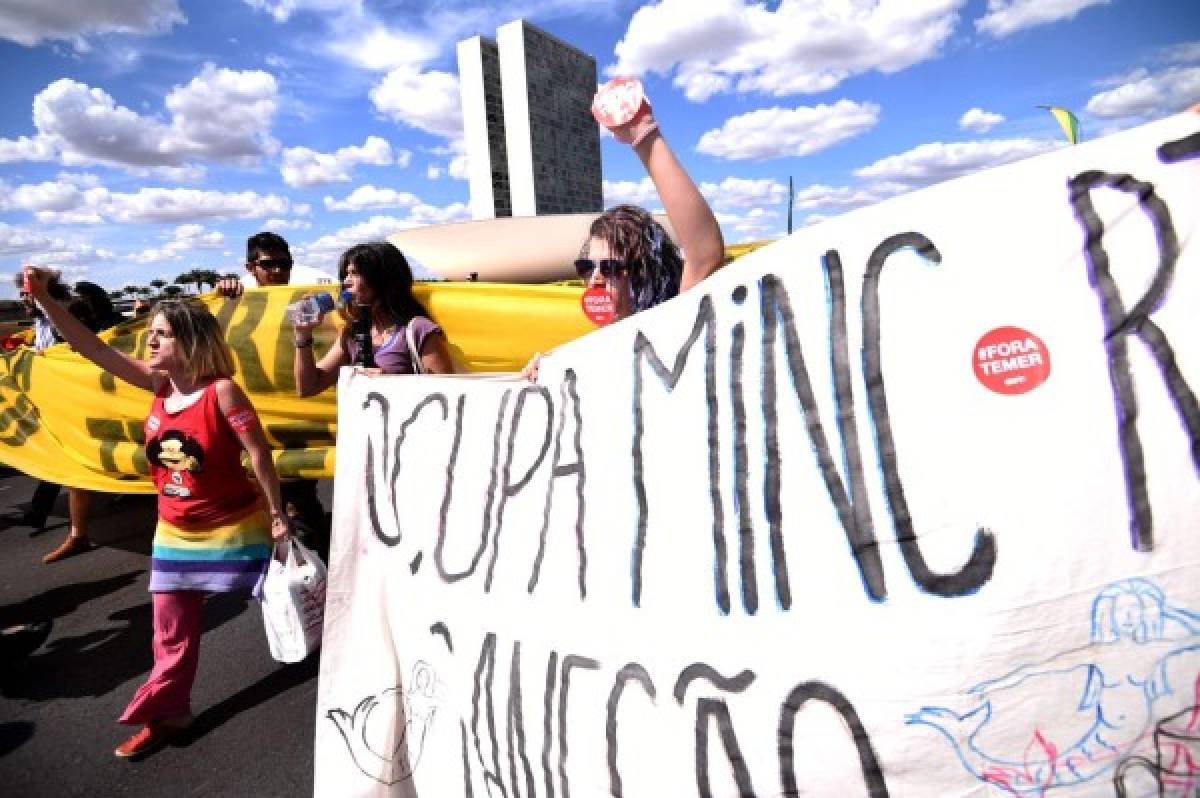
(215, 528)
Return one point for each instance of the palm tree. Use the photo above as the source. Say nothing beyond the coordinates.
(207, 277)
(118, 294)
(187, 278)
(173, 291)
(158, 284)
(130, 290)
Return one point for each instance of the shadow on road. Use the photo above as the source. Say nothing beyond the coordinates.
(95, 663)
(63, 600)
(271, 686)
(14, 734)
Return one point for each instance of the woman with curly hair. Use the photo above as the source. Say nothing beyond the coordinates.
(628, 253)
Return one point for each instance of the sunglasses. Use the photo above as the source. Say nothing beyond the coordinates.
(273, 263)
(608, 267)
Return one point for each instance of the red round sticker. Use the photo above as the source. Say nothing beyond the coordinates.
(598, 305)
(1011, 361)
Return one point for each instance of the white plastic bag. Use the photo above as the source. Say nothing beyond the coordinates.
(293, 601)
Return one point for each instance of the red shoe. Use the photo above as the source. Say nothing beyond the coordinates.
(74, 544)
(152, 737)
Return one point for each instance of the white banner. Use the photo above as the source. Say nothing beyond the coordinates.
(906, 504)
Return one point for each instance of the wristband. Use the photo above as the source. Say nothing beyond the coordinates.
(303, 343)
(640, 137)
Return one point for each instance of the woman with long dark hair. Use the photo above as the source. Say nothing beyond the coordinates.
(379, 281)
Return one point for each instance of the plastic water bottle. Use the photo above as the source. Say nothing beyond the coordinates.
(310, 309)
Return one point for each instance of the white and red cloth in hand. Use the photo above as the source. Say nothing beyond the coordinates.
(621, 106)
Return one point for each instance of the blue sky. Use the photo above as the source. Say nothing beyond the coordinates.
(140, 139)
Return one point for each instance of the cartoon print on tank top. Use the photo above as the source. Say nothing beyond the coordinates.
(180, 454)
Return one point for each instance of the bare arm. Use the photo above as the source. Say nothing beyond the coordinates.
(313, 376)
(86, 342)
(696, 228)
(435, 355)
(243, 420)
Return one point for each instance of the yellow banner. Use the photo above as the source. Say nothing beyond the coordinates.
(64, 420)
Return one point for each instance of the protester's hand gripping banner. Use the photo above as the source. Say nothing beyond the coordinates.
(64, 420)
(905, 504)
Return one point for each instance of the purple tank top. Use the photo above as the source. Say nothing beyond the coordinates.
(392, 355)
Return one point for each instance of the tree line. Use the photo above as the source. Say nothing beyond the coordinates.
(159, 287)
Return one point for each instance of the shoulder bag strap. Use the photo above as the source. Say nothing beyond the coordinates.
(413, 352)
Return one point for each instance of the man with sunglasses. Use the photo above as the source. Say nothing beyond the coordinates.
(269, 262)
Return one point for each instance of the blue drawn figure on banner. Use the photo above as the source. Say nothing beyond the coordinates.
(1140, 650)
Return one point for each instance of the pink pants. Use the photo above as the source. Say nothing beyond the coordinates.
(176, 646)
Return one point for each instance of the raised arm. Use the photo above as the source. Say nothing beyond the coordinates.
(243, 420)
(621, 106)
(696, 228)
(83, 340)
(313, 376)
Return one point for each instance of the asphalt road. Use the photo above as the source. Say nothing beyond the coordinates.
(253, 734)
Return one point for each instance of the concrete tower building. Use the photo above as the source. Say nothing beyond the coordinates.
(532, 144)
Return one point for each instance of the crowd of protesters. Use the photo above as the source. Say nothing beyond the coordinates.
(217, 526)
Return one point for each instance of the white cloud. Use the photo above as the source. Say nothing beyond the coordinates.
(737, 192)
(286, 224)
(38, 148)
(428, 101)
(185, 204)
(1005, 17)
(978, 120)
(380, 49)
(195, 236)
(372, 198)
(1184, 53)
(30, 22)
(380, 227)
(457, 168)
(76, 199)
(803, 46)
(51, 195)
(71, 199)
(282, 10)
(818, 195)
(37, 247)
(752, 225)
(1149, 95)
(455, 150)
(221, 114)
(184, 238)
(782, 132)
(303, 167)
(630, 192)
(224, 113)
(21, 240)
(70, 256)
(938, 161)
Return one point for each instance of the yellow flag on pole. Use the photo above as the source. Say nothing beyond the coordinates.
(1067, 120)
